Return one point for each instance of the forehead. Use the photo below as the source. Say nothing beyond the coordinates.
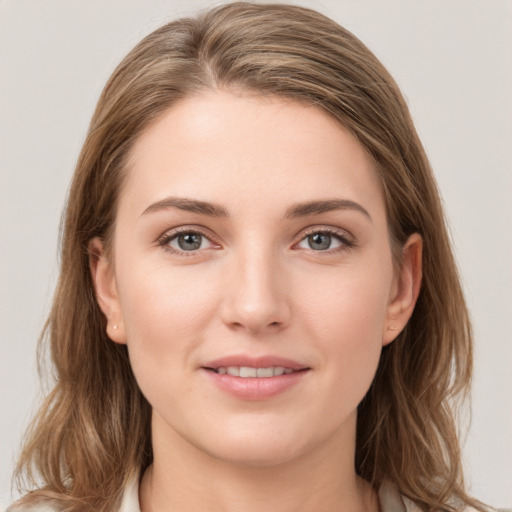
(249, 148)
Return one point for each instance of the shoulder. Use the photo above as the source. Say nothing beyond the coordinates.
(129, 502)
(391, 500)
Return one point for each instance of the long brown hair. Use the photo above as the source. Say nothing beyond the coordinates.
(93, 431)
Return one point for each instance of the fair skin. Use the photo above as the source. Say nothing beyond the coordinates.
(289, 259)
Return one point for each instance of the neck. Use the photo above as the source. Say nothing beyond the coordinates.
(185, 478)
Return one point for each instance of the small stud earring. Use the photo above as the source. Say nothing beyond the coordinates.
(115, 327)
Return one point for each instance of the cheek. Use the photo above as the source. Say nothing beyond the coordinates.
(166, 313)
(347, 324)
(159, 298)
(351, 305)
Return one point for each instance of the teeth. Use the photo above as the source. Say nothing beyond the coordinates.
(265, 372)
(249, 372)
(234, 371)
(245, 371)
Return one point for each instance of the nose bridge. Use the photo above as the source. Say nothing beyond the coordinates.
(257, 297)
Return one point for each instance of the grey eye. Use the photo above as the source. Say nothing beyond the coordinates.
(322, 241)
(189, 241)
(319, 241)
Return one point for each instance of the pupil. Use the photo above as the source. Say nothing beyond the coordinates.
(320, 241)
(189, 241)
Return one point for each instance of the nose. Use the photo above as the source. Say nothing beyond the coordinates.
(256, 296)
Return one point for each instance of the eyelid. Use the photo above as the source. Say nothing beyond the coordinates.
(345, 237)
(170, 234)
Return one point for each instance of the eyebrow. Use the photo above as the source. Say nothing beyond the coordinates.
(188, 205)
(298, 210)
(328, 205)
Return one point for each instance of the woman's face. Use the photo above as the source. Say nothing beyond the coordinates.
(251, 239)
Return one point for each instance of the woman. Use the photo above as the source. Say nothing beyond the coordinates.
(258, 304)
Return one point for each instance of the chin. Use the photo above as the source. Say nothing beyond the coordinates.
(253, 454)
(260, 445)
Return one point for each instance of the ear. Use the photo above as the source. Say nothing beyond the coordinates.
(405, 290)
(104, 280)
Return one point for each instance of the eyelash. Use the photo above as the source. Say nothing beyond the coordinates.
(346, 240)
(167, 237)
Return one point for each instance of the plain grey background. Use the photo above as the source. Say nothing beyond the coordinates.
(453, 61)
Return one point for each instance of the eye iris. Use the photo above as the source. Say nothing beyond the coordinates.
(319, 241)
(189, 241)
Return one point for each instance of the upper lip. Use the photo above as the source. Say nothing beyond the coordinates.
(267, 361)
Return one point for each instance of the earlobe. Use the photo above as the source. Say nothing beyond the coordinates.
(104, 281)
(406, 290)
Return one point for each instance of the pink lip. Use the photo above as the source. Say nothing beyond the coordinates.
(257, 388)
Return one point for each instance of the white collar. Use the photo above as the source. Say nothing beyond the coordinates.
(130, 501)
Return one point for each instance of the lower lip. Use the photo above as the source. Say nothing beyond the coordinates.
(256, 388)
